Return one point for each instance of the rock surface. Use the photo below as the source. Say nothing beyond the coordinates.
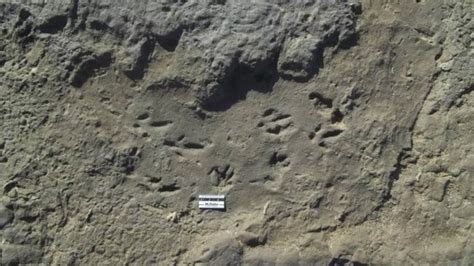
(341, 132)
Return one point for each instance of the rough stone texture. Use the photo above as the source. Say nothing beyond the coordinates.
(341, 132)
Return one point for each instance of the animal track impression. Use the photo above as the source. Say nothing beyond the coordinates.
(193, 145)
(275, 122)
(319, 100)
(329, 135)
(220, 175)
(143, 116)
(183, 143)
(279, 159)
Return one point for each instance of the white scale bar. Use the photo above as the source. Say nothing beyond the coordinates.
(212, 197)
(211, 201)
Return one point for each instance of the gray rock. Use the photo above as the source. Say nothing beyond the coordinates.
(224, 252)
(227, 38)
(340, 132)
(6, 216)
(20, 254)
(300, 58)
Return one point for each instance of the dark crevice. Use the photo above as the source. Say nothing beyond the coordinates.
(22, 17)
(317, 128)
(237, 83)
(349, 42)
(143, 116)
(169, 143)
(274, 130)
(356, 8)
(154, 179)
(160, 123)
(88, 67)
(438, 55)
(344, 216)
(218, 2)
(277, 158)
(345, 262)
(73, 11)
(133, 151)
(137, 70)
(392, 177)
(336, 116)
(170, 41)
(9, 186)
(53, 25)
(29, 218)
(81, 26)
(193, 145)
(268, 178)
(24, 32)
(98, 25)
(169, 187)
(128, 167)
(268, 112)
(315, 203)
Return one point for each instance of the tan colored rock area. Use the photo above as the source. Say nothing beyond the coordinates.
(341, 133)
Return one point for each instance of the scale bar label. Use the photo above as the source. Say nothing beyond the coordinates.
(212, 202)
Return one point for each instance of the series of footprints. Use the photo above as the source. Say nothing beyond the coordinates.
(276, 123)
(223, 175)
(144, 118)
(273, 122)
